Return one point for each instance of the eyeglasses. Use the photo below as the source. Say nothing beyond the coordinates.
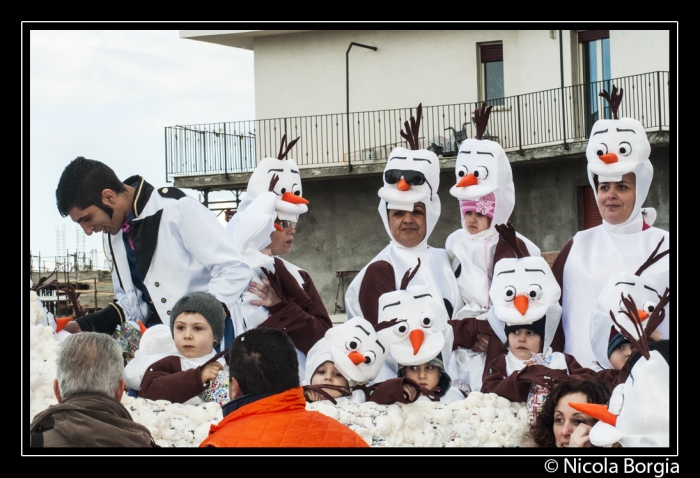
(414, 178)
(286, 225)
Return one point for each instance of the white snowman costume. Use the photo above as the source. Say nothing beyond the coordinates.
(584, 265)
(435, 272)
(483, 175)
(356, 351)
(646, 295)
(274, 191)
(419, 331)
(638, 413)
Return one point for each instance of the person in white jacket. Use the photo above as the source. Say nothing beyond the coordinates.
(162, 243)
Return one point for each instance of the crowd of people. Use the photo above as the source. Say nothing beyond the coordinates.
(224, 318)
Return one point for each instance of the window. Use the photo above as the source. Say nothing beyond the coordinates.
(492, 73)
(594, 52)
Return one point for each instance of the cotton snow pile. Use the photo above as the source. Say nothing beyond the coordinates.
(481, 420)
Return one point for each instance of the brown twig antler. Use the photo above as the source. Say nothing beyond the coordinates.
(507, 235)
(408, 276)
(481, 119)
(641, 344)
(283, 152)
(654, 257)
(69, 290)
(411, 134)
(613, 100)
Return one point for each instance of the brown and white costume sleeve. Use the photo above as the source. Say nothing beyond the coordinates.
(301, 313)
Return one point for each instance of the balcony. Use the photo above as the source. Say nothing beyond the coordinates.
(220, 156)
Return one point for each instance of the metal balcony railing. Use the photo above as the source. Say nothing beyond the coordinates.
(550, 117)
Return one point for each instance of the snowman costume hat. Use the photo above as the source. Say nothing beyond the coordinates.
(413, 320)
(638, 413)
(645, 293)
(484, 183)
(616, 146)
(354, 348)
(524, 291)
(411, 176)
(484, 176)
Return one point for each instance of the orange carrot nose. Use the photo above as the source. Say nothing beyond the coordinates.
(61, 322)
(595, 410)
(417, 337)
(608, 158)
(468, 180)
(356, 357)
(521, 303)
(278, 227)
(402, 185)
(642, 314)
(293, 198)
(142, 327)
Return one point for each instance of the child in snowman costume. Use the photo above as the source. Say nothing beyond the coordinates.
(282, 296)
(525, 314)
(486, 193)
(638, 413)
(409, 207)
(193, 372)
(610, 347)
(340, 364)
(415, 322)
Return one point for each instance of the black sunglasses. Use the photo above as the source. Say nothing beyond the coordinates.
(414, 178)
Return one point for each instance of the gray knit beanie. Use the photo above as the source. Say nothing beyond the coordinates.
(202, 303)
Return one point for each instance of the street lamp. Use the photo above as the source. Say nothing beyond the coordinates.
(347, 91)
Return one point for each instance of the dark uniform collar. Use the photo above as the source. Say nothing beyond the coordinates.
(142, 193)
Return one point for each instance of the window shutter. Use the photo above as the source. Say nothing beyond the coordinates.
(591, 35)
(591, 214)
(491, 53)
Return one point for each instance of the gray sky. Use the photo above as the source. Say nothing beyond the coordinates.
(108, 95)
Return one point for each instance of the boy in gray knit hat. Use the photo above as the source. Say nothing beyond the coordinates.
(191, 376)
(204, 304)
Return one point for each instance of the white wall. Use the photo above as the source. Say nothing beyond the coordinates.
(633, 52)
(303, 73)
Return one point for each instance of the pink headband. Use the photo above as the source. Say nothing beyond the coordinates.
(484, 205)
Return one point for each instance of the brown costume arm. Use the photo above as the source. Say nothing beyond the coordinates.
(165, 380)
(390, 391)
(466, 330)
(301, 313)
(558, 270)
(379, 278)
(542, 375)
(496, 381)
(578, 371)
(611, 378)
